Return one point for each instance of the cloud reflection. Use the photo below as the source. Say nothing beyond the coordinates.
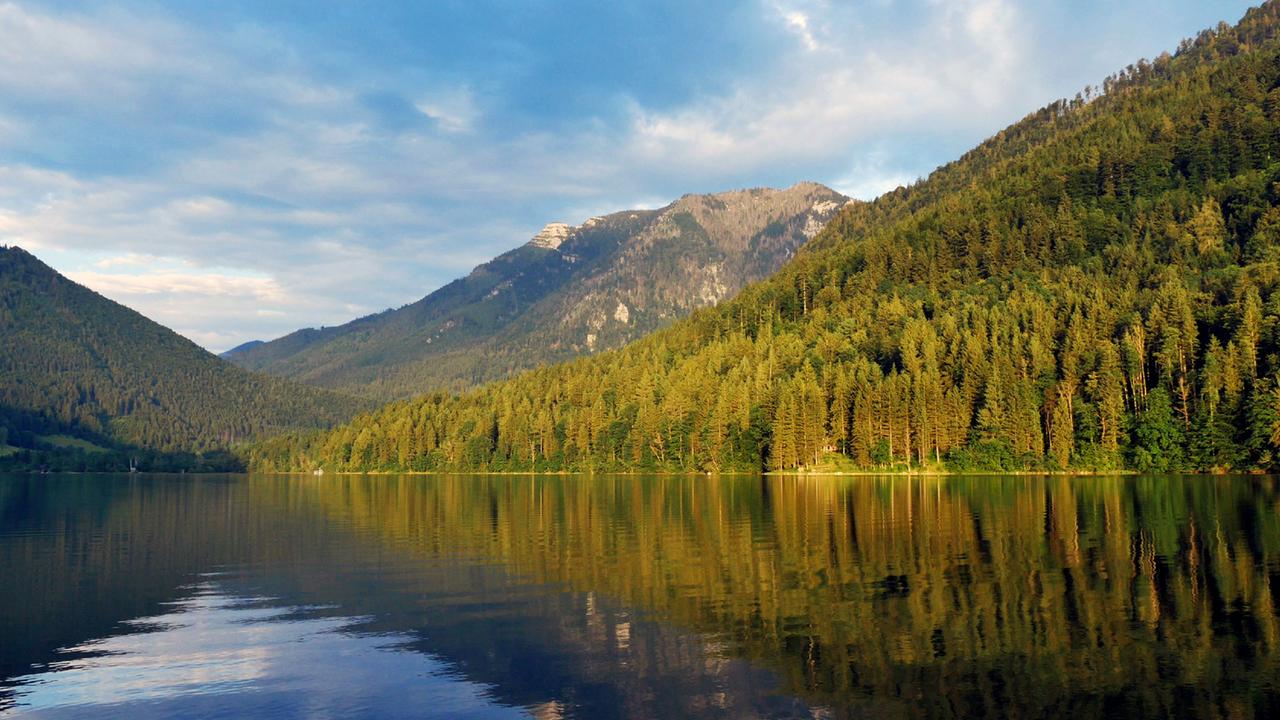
(217, 654)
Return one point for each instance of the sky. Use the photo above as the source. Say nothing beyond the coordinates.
(239, 169)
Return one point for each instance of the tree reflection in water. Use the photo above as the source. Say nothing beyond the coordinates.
(733, 597)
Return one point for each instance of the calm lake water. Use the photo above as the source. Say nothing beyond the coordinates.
(248, 596)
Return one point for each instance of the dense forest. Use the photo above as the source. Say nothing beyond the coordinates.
(86, 383)
(1092, 288)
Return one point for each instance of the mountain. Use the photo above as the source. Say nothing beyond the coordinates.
(82, 375)
(242, 347)
(568, 291)
(1094, 287)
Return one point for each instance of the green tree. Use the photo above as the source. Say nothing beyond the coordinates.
(1158, 436)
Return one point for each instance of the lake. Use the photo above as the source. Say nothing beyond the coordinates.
(598, 597)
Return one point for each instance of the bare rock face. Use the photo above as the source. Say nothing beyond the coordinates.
(551, 236)
(604, 283)
(696, 252)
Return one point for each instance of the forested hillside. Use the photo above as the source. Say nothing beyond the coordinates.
(568, 292)
(1094, 287)
(85, 382)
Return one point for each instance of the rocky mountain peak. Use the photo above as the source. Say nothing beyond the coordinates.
(610, 280)
(551, 236)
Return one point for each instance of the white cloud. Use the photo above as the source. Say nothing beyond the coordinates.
(200, 304)
(806, 21)
(125, 260)
(10, 130)
(812, 105)
(205, 284)
(455, 111)
(867, 181)
(54, 57)
(799, 22)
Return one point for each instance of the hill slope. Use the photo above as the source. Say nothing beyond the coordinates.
(569, 291)
(1093, 287)
(81, 372)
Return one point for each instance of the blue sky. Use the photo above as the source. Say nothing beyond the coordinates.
(236, 170)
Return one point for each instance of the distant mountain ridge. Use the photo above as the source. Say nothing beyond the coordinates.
(241, 348)
(570, 290)
(80, 371)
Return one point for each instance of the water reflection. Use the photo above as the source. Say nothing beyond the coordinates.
(634, 597)
(211, 645)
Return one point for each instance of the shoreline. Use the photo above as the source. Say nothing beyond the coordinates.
(638, 473)
(915, 472)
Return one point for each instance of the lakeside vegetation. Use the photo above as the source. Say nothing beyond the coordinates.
(1094, 288)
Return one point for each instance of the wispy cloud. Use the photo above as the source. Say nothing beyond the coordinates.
(454, 110)
(209, 284)
(811, 109)
(798, 22)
